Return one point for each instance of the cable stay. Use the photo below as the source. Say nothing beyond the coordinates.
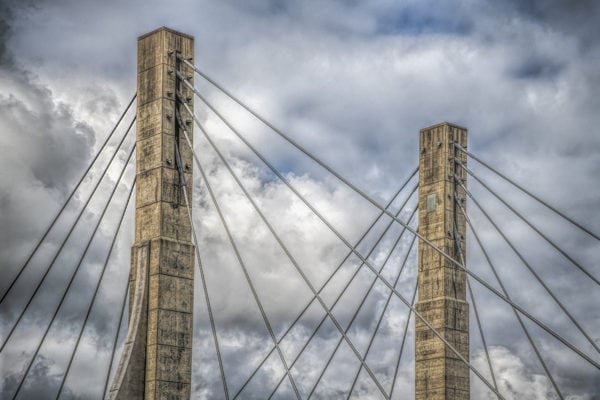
(423, 239)
(324, 285)
(527, 192)
(279, 132)
(529, 267)
(278, 239)
(64, 206)
(94, 296)
(505, 292)
(250, 283)
(404, 334)
(353, 318)
(289, 255)
(360, 306)
(561, 251)
(73, 275)
(66, 239)
(338, 298)
(358, 191)
(376, 204)
(200, 266)
(472, 297)
(385, 307)
(368, 264)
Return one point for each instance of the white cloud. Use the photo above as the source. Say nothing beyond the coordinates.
(515, 380)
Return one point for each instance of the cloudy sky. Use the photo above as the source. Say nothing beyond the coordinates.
(352, 81)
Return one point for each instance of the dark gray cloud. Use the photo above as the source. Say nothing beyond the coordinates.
(42, 142)
(577, 18)
(45, 148)
(536, 68)
(353, 82)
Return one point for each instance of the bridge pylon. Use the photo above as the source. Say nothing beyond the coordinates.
(157, 357)
(439, 373)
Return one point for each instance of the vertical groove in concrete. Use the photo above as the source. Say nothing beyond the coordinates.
(128, 382)
(162, 363)
(439, 374)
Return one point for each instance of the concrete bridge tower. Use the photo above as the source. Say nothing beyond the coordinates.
(439, 374)
(157, 358)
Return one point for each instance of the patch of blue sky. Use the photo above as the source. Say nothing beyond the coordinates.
(426, 20)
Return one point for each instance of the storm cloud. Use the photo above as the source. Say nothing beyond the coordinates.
(353, 82)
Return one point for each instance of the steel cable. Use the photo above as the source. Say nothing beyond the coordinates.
(385, 307)
(412, 302)
(421, 237)
(282, 245)
(292, 259)
(249, 280)
(546, 238)
(357, 311)
(575, 223)
(376, 204)
(201, 269)
(64, 242)
(472, 297)
(64, 206)
(89, 310)
(325, 285)
(64, 295)
(338, 298)
(505, 292)
(529, 267)
(385, 281)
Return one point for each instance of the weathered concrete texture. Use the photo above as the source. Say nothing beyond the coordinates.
(162, 223)
(439, 373)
